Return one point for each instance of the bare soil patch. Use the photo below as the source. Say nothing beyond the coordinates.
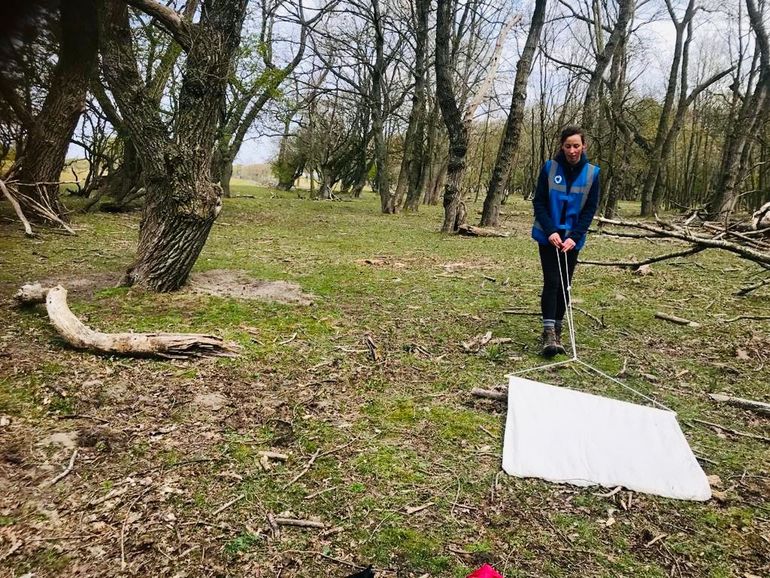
(240, 285)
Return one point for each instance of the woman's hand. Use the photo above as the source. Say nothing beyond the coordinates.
(568, 245)
(555, 240)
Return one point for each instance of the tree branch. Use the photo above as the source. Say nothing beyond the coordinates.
(744, 252)
(171, 20)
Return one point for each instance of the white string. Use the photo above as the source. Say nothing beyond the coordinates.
(566, 289)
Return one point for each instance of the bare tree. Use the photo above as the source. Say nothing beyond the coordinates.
(513, 124)
(748, 121)
(253, 90)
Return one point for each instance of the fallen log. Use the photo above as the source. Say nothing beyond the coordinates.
(80, 336)
(750, 404)
(471, 231)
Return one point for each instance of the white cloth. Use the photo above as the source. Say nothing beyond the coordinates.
(567, 436)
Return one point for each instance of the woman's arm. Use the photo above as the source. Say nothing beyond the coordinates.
(541, 204)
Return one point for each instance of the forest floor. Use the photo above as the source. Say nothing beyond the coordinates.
(367, 393)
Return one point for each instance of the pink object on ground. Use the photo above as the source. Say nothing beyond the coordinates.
(486, 571)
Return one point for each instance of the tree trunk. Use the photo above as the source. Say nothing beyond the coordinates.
(182, 202)
(50, 131)
(456, 129)
(656, 155)
(422, 167)
(411, 168)
(378, 112)
(512, 132)
(746, 126)
(227, 174)
(127, 179)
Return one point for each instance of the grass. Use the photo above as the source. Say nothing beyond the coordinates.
(366, 438)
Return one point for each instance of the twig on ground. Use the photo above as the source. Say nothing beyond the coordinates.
(124, 525)
(490, 394)
(305, 469)
(299, 523)
(319, 492)
(748, 317)
(414, 509)
(84, 416)
(564, 537)
(486, 431)
(372, 347)
(598, 321)
(733, 431)
(657, 538)
(751, 288)
(610, 493)
(223, 507)
(675, 319)
(289, 340)
(273, 526)
(67, 471)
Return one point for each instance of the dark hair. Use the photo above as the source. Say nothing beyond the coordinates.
(572, 130)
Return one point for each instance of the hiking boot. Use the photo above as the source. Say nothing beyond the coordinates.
(559, 346)
(550, 347)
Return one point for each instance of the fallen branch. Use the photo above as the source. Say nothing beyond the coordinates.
(80, 336)
(751, 288)
(17, 208)
(490, 394)
(756, 243)
(733, 431)
(750, 404)
(675, 319)
(521, 312)
(622, 234)
(637, 264)
(745, 252)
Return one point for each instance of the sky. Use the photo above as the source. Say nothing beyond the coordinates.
(657, 37)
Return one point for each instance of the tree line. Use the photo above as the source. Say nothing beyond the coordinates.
(423, 101)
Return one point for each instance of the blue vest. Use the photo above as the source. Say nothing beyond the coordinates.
(565, 206)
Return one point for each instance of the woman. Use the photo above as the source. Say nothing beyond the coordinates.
(565, 202)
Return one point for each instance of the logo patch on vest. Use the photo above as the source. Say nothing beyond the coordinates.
(557, 179)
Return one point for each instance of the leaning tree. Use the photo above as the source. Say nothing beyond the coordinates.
(45, 129)
(175, 155)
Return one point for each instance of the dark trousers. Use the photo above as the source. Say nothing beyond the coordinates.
(552, 298)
